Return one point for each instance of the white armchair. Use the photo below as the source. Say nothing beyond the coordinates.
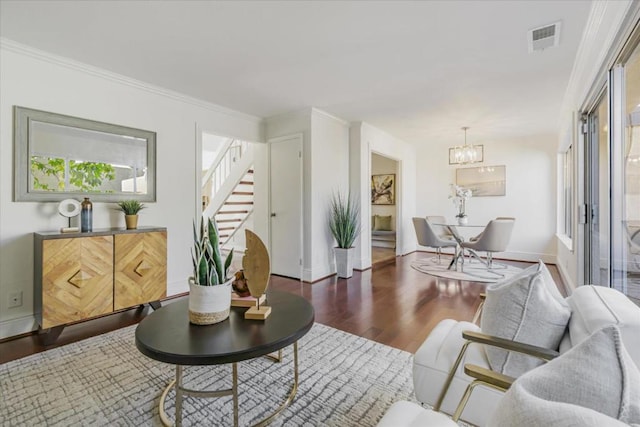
(455, 354)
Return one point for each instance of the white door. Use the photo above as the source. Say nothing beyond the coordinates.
(286, 205)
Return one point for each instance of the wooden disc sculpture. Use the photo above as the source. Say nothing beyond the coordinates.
(256, 270)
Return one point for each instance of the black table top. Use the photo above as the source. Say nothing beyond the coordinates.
(166, 335)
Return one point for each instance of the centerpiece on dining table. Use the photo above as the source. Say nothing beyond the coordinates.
(459, 196)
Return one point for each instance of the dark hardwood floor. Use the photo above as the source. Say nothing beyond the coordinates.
(392, 304)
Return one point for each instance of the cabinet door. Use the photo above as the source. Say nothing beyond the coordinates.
(77, 279)
(140, 268)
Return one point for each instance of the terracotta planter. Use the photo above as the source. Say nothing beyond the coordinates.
(209, 304)
(131, 221)
(344, 262)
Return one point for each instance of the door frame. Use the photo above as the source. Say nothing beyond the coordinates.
(300, 137)
(589, 165)
(399, 228)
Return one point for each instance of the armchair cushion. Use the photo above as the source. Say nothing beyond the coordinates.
(432, 363)
(593, 384)
(593, 307)
(527, 308)
(409, 414)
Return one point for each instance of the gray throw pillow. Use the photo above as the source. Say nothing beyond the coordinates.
(594, 384)
(527, 308)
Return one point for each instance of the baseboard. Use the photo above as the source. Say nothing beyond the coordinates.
(569, 284)
(19, 326)
(509, 256)
(311, 276)
(527, 256)
(362, 264)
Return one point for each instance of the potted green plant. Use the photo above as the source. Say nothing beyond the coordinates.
(210, 285)
(131, 209)
(344, 222)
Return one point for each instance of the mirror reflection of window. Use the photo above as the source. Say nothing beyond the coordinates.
(57, 157)
(72, 159)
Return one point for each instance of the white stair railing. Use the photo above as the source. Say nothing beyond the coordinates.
(232, 166)
(230, 153)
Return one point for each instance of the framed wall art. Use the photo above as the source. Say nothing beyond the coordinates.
(383, 189)
(483, 181)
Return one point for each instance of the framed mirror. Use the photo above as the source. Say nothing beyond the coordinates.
(57, 157)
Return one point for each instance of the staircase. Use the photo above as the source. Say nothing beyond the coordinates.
(236, 209)
(227, 189)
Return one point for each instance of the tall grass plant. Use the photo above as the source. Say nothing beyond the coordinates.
(344, 220)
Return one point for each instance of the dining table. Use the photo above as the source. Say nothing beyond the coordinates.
(458, 258)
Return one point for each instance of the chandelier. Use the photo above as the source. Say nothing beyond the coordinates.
(467, 153)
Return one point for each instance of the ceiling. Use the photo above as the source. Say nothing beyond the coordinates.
(418, 70)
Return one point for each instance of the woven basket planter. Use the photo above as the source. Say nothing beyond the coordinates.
(209, 304)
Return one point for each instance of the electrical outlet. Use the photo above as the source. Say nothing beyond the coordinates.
(15, 299)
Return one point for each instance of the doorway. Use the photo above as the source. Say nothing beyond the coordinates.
(286, 206)
(384, 209)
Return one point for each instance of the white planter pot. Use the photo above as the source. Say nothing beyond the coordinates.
(462, 220)
(209, 304)
(344, 262)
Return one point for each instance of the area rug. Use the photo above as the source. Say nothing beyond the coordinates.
(473, 272)
(345, 380)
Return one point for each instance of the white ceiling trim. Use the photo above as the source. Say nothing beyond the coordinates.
(330, 116)
(585, 82)
(22, 49)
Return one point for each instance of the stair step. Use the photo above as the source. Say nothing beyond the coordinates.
(243, 193)
(238, 203)
(231, 212)
(250, 171)
(246, 182)
(226, 228)
(229, 220)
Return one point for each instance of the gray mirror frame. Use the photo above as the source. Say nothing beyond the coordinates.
(21, 167)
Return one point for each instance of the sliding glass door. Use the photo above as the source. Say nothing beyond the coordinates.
(626, 173)
(597, 225)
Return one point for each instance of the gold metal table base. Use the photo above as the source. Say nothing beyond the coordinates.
(233, 391)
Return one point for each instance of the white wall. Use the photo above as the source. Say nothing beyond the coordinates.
(33, 79)
(329, 175)
(530, 192)
(383, 166)
(365, 139)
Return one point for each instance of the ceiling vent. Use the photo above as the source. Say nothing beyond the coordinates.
(544, 37)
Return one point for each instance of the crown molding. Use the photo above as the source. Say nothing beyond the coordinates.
(306, 112)
(592, 76)
(330, 116)
(12, 46)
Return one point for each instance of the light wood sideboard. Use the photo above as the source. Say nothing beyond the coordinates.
(84, 275)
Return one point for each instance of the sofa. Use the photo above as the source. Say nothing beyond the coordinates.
(591, 308)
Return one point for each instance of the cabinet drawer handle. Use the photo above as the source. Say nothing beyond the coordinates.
(80, 279)
(142, 268)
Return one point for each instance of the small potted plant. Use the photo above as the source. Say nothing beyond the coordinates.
(344, 222)
(130, 209)
(459, 196)
(210, 285)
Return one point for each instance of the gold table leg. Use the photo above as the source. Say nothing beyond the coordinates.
(292, 394)
(233, 391)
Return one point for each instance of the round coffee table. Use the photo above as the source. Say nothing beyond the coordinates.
(167, 336)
